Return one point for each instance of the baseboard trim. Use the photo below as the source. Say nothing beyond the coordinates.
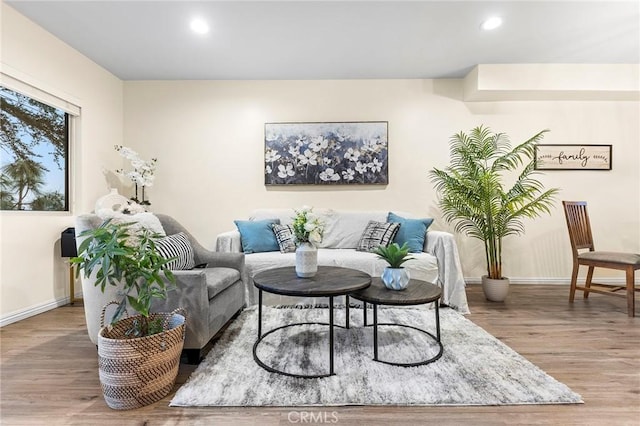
(32, 311)
(554, 281)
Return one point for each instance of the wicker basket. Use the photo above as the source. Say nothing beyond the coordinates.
(135, 372)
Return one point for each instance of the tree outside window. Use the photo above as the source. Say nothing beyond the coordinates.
(34, 146)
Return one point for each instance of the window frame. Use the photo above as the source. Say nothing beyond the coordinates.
(17, 82)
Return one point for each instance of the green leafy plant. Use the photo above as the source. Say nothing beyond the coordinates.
(394, 254)
(119, 256)
(472, 194)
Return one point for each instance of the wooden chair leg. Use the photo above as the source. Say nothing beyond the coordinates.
(631, 296)
(574, 279)
(587, 284)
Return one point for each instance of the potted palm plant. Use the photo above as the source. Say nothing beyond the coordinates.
(394, 276)
(474, 197)
(138, 355)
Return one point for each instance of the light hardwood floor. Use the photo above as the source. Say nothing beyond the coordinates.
(49, 371)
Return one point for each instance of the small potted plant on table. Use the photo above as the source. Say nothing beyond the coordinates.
(394, 276)
(138, 355)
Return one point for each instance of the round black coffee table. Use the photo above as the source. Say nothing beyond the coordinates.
(417, 293)
(329, 281)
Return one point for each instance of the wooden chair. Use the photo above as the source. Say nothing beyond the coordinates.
(581, 238)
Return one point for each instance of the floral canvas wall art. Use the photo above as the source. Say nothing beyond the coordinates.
(341, 153)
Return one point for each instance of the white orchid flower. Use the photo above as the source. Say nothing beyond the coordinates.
(134, 175)
(128, 153)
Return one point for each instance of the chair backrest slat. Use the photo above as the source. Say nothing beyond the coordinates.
(578, 225)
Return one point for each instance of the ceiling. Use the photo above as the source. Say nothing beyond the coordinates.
(263, 40)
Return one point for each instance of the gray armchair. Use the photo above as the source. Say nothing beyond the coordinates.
(211, 296)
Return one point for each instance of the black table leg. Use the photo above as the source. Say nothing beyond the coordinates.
(364, 312)
(375, 332)
(259, 313)
(346, 297)
(437, 302)
(331, 335)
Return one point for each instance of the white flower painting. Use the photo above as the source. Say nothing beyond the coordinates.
(346, 153)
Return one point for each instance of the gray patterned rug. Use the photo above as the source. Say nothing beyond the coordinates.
(475, 368)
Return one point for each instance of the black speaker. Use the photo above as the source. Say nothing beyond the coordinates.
(68, 243)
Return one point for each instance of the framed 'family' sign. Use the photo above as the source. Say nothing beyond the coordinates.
(573, 157)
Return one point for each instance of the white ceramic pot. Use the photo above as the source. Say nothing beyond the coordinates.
(495, 290)
(306, 260)
(395, 278)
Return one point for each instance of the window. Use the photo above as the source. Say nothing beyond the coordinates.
(34, 154)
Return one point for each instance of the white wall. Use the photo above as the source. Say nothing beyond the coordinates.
(208, 137)
(33, 276)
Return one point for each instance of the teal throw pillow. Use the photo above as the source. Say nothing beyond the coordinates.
(257, 235)
(412, 231)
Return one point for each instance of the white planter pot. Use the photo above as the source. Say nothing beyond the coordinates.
(395, 278)
(306, 260)
(495, 290)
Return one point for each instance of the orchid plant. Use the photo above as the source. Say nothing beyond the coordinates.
(307, 227)
(142, 174)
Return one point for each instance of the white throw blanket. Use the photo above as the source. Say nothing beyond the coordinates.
(145, 220)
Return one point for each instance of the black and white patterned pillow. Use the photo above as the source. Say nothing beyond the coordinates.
(178, 246)
(285, 238)
(377, 234)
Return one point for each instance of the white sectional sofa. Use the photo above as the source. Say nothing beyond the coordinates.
(438, 263)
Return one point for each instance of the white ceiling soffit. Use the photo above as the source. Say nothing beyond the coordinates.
(549, 82)
(151, 40)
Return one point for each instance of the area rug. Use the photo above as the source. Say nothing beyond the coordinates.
(475, 368)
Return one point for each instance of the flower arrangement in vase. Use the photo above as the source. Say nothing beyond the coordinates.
(142, 174)
(307, 231)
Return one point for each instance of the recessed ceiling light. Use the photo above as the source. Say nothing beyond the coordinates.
(492, 23)
(199, 26)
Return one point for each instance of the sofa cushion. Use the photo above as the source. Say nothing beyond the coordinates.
(412, 231)
(178, 246)
(257, 235)
(218, 279)
(284, 236)
(285, 216)
(343, 229)
(377, 234)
